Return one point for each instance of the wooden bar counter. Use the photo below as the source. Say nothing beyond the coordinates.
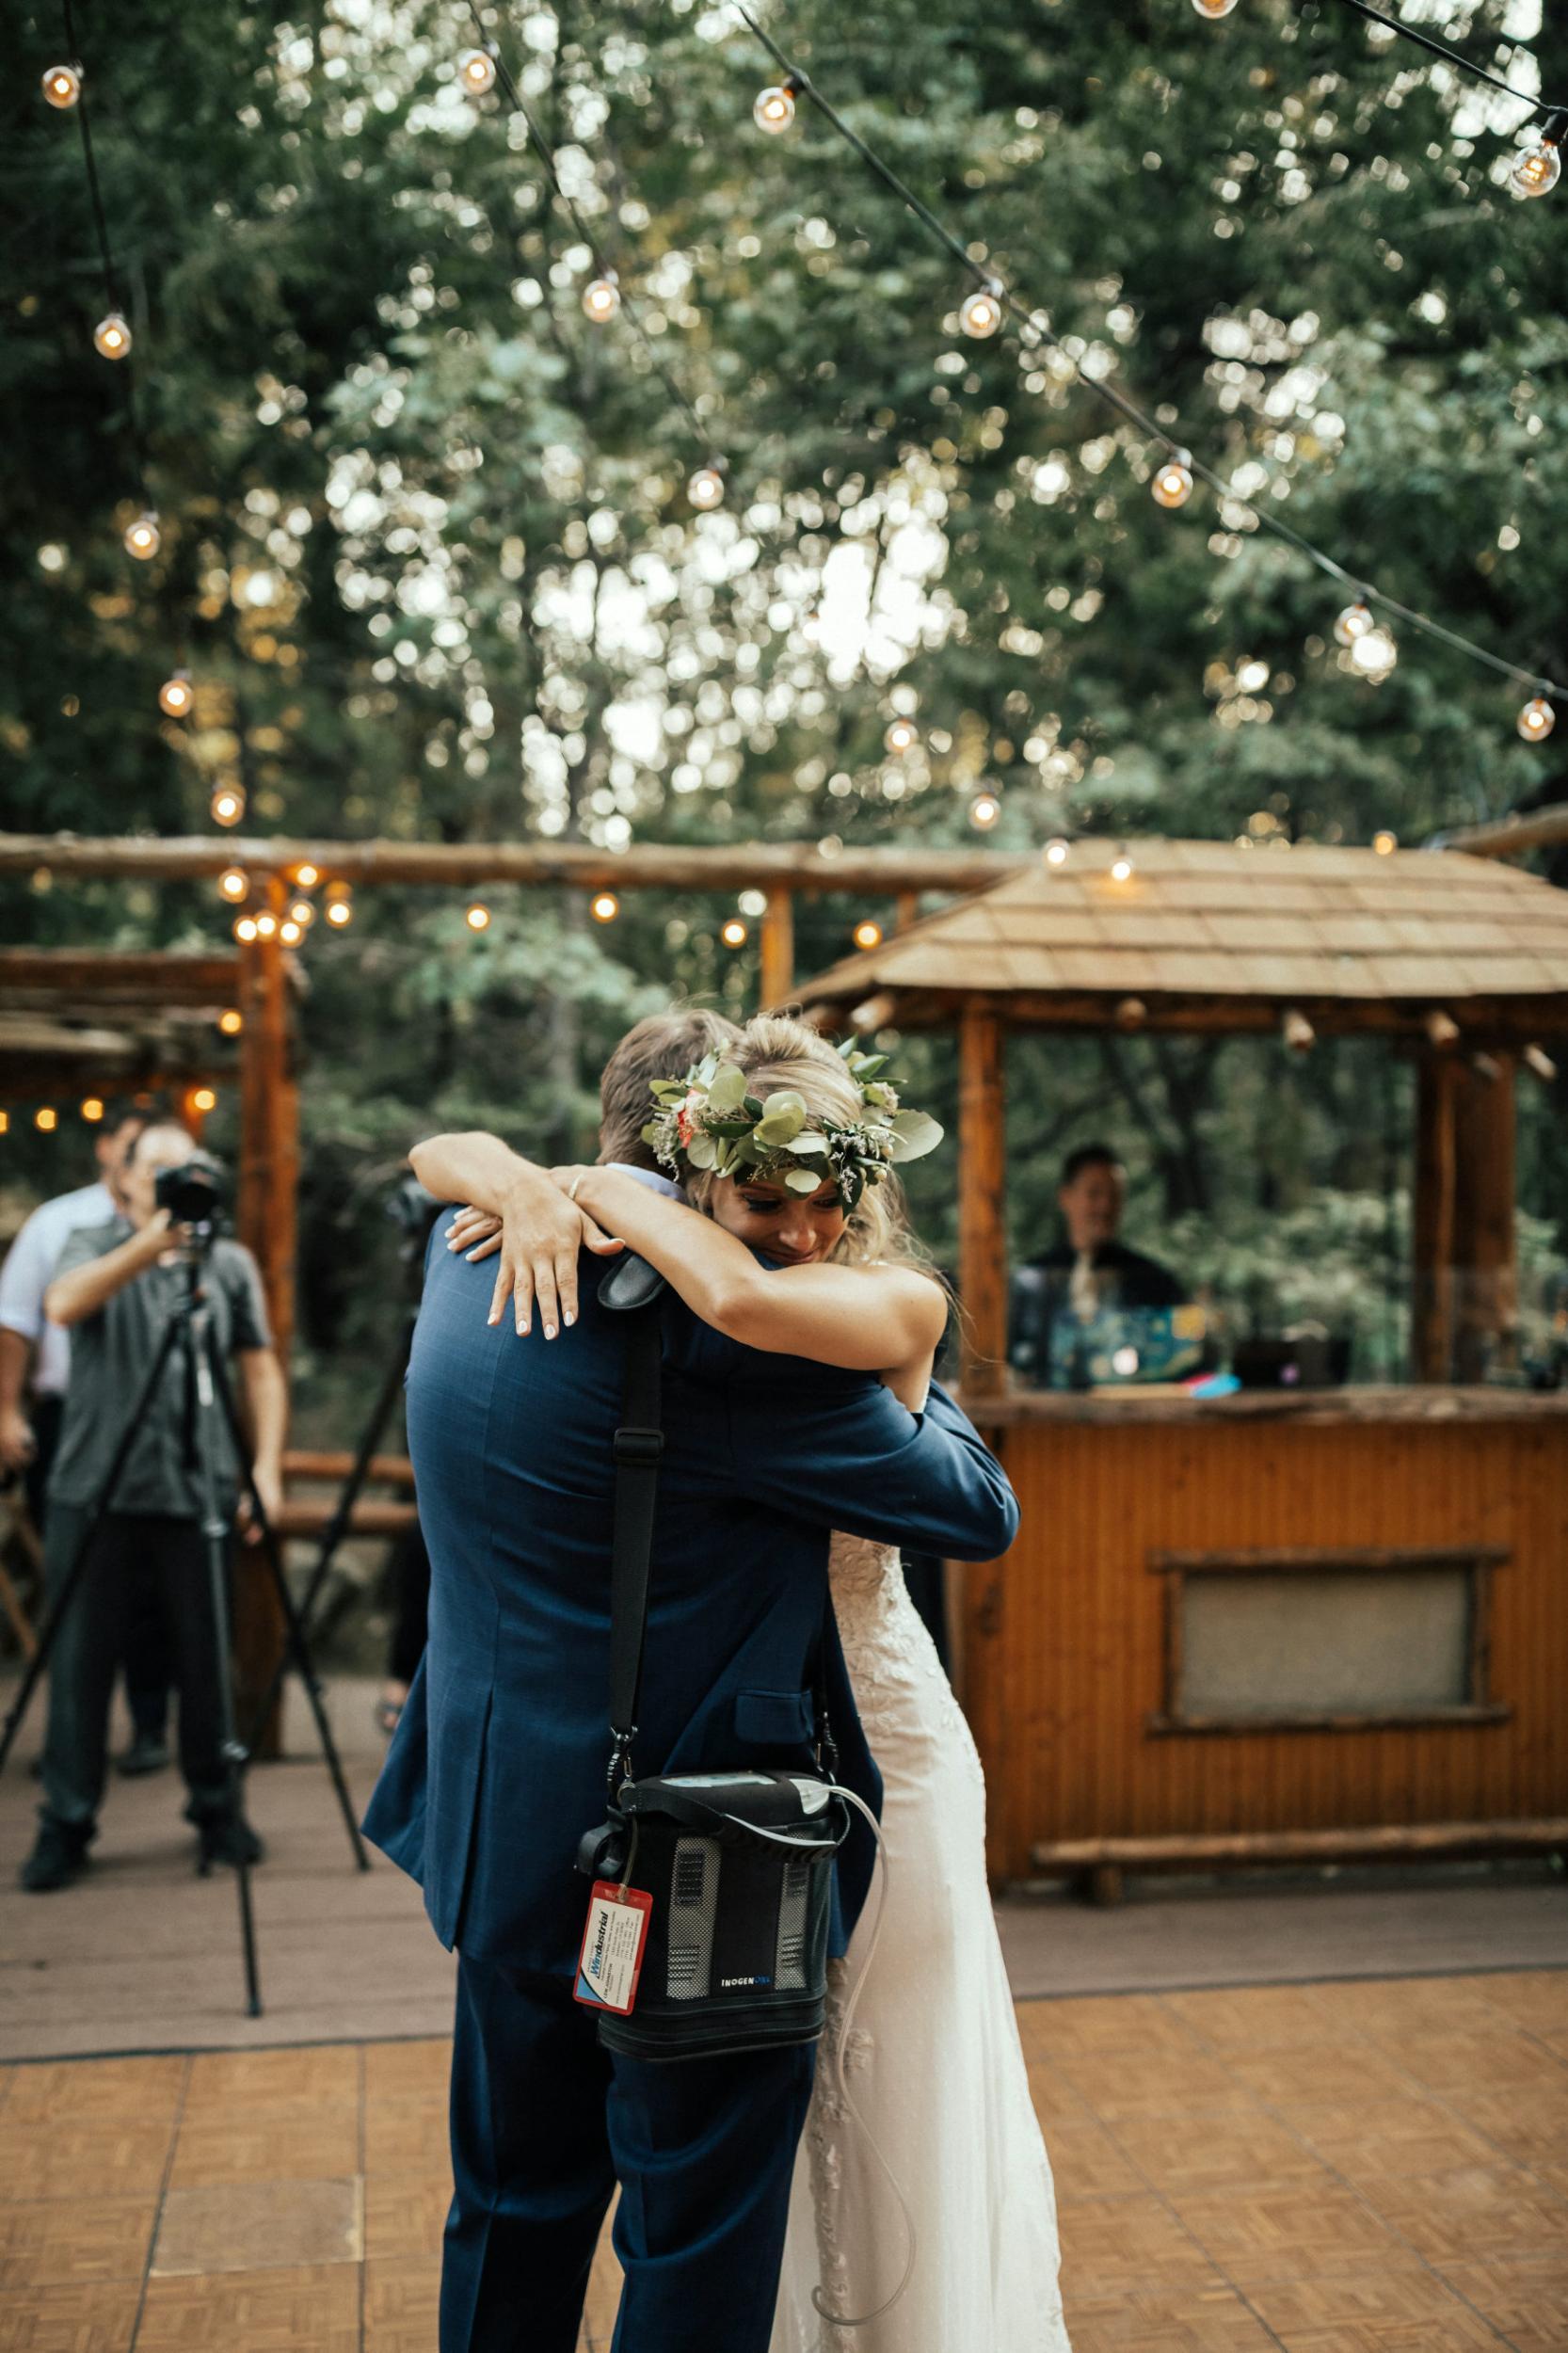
(1279, 1623)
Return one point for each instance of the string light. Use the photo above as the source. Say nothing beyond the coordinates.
(1121, 865)
(981, 313)
(1353, 622)
(985, 809)
(306, 876)
(227, 805)
(733, 932)
(1056, 850)
(476, 70)
(291, 933)
(143, 538)
(1536, 169)
(1173, 480)
(867, 933)
(231, 1021)
(706, 487)
(203, 1100)
(245, 929)
(92, 1108)
(267, 925)
(302, 913)
(1385, 843)
(46, 1119)
(111, 337)
(1374, 652)
(62, 86)
(774, 109)
(604, 906)
(233, 881)
(901, 736)
(176, 695)
(1537, 720)
(340, 913)
(478, 918)
(600, 299)
(5, 1123)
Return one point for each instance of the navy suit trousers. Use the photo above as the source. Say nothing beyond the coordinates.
(543, 2123)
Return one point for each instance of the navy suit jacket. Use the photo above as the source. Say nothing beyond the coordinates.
(497, 1765)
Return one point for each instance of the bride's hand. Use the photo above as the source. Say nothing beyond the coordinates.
(475, 1232)
(541, 1234)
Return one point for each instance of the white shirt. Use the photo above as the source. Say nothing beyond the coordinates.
(30, 1270)
(651, 1177)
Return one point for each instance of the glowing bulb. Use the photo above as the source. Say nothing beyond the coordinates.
(92, 1108)
(227, 805)
(734, 932)
(1124, 1360)
(306, 876)
(340, 913)
(231, 1021)
(901, 736)
(1121, 867)
(1056, 850)
(5, 1123)
(232, 882)
(1354, 622)
(706, 487)
(143, 539)
(1537, 720)
(47, 1120)
(1214, 9)
(244, 928)
(291, 933)
(1374, 652)
(984, 811)
(980, 314)
(477, 918)
(1252, 677)
(302, 913)
(867, 933)
(175, 696)
(111, 337)
(266, 926)
(1173, 480)
(604, 906)
(774, 109)
(1386, 843)
(600, 299)
(477, 72)
(62, 85)
(1537, 171)
(203, 1100)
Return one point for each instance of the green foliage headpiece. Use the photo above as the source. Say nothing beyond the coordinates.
(709, 1120)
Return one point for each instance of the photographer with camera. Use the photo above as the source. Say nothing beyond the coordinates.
(115, 1288)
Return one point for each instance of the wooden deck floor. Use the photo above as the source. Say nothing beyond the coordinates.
(1348, 2167)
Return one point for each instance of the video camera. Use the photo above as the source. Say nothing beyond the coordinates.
(192, 1194)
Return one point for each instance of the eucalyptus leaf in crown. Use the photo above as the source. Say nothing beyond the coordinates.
(709, 1120)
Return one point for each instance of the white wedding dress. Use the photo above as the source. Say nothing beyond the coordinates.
(933, 2063)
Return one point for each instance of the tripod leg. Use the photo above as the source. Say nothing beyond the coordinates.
(72, 1577)
(296, 1644)
(337, 1526)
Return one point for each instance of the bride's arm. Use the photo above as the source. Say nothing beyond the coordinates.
(551, 1229)
(867, 1319)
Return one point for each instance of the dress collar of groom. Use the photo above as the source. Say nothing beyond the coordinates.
(650, 1176)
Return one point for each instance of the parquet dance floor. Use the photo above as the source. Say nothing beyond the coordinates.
(1372, 2167)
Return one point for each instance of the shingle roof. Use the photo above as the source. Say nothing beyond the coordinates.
(1212, 921)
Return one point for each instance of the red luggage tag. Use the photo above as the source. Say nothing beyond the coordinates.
(611, 1960)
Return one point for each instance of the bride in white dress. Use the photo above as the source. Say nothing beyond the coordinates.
(940, 2172)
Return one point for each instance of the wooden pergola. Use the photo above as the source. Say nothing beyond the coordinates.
(1458, 960)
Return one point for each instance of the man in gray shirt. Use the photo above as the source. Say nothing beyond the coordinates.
(114, 1287)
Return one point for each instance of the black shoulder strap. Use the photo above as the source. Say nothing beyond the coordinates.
(639, 1444)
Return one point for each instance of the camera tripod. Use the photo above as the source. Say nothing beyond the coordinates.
(189, 1335)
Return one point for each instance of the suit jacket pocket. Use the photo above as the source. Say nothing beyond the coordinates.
(775, 1719)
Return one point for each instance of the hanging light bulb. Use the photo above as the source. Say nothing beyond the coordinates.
(980, 314)
(233, 883)
(1214, 9)
(143, 538)
(774, 109)
(985, 809)
(302, 913)
(1374, 652)
(706, 487)
(62, 85)
(733, 932)
(291, 933)
(601, 298)
(231, 1021)
(267, 925)
(244, 928)
(1536, 169)
(6, 1120)
(111, 337)
(306, 876)
(46, 1119)
(476, 70)
(477, 918)
(227, 805)
(1056, 850)
(175, 696)
(901, 736)
(203, 1100)
(1121, 865)
(1173, 480)
(340, 913)
(867, 934)
(1537, 720)
(92, 1108)
(1354, 622)
(1386, 843)
(604, 906)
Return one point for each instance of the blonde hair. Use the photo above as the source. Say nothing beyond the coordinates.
(663, 1047)
(777, 1051)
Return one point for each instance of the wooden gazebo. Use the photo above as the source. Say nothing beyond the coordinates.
(1280, 1622)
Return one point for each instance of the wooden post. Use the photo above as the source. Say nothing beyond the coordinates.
(1485, 1278)
(907, 909)
(1432, 1220)
(779, 946)
(265, 1208)
(982, 1235)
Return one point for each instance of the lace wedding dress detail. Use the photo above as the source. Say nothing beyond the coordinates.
(933, 2061)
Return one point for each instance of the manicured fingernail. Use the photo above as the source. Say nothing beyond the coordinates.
(495, 1315)
(569, 1318)
(522, 1325)
(471, 1256)
(549, 1331)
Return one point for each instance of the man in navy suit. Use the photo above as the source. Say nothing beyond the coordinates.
(497, 1765)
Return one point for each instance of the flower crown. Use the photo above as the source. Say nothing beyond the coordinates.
(709, 1120)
